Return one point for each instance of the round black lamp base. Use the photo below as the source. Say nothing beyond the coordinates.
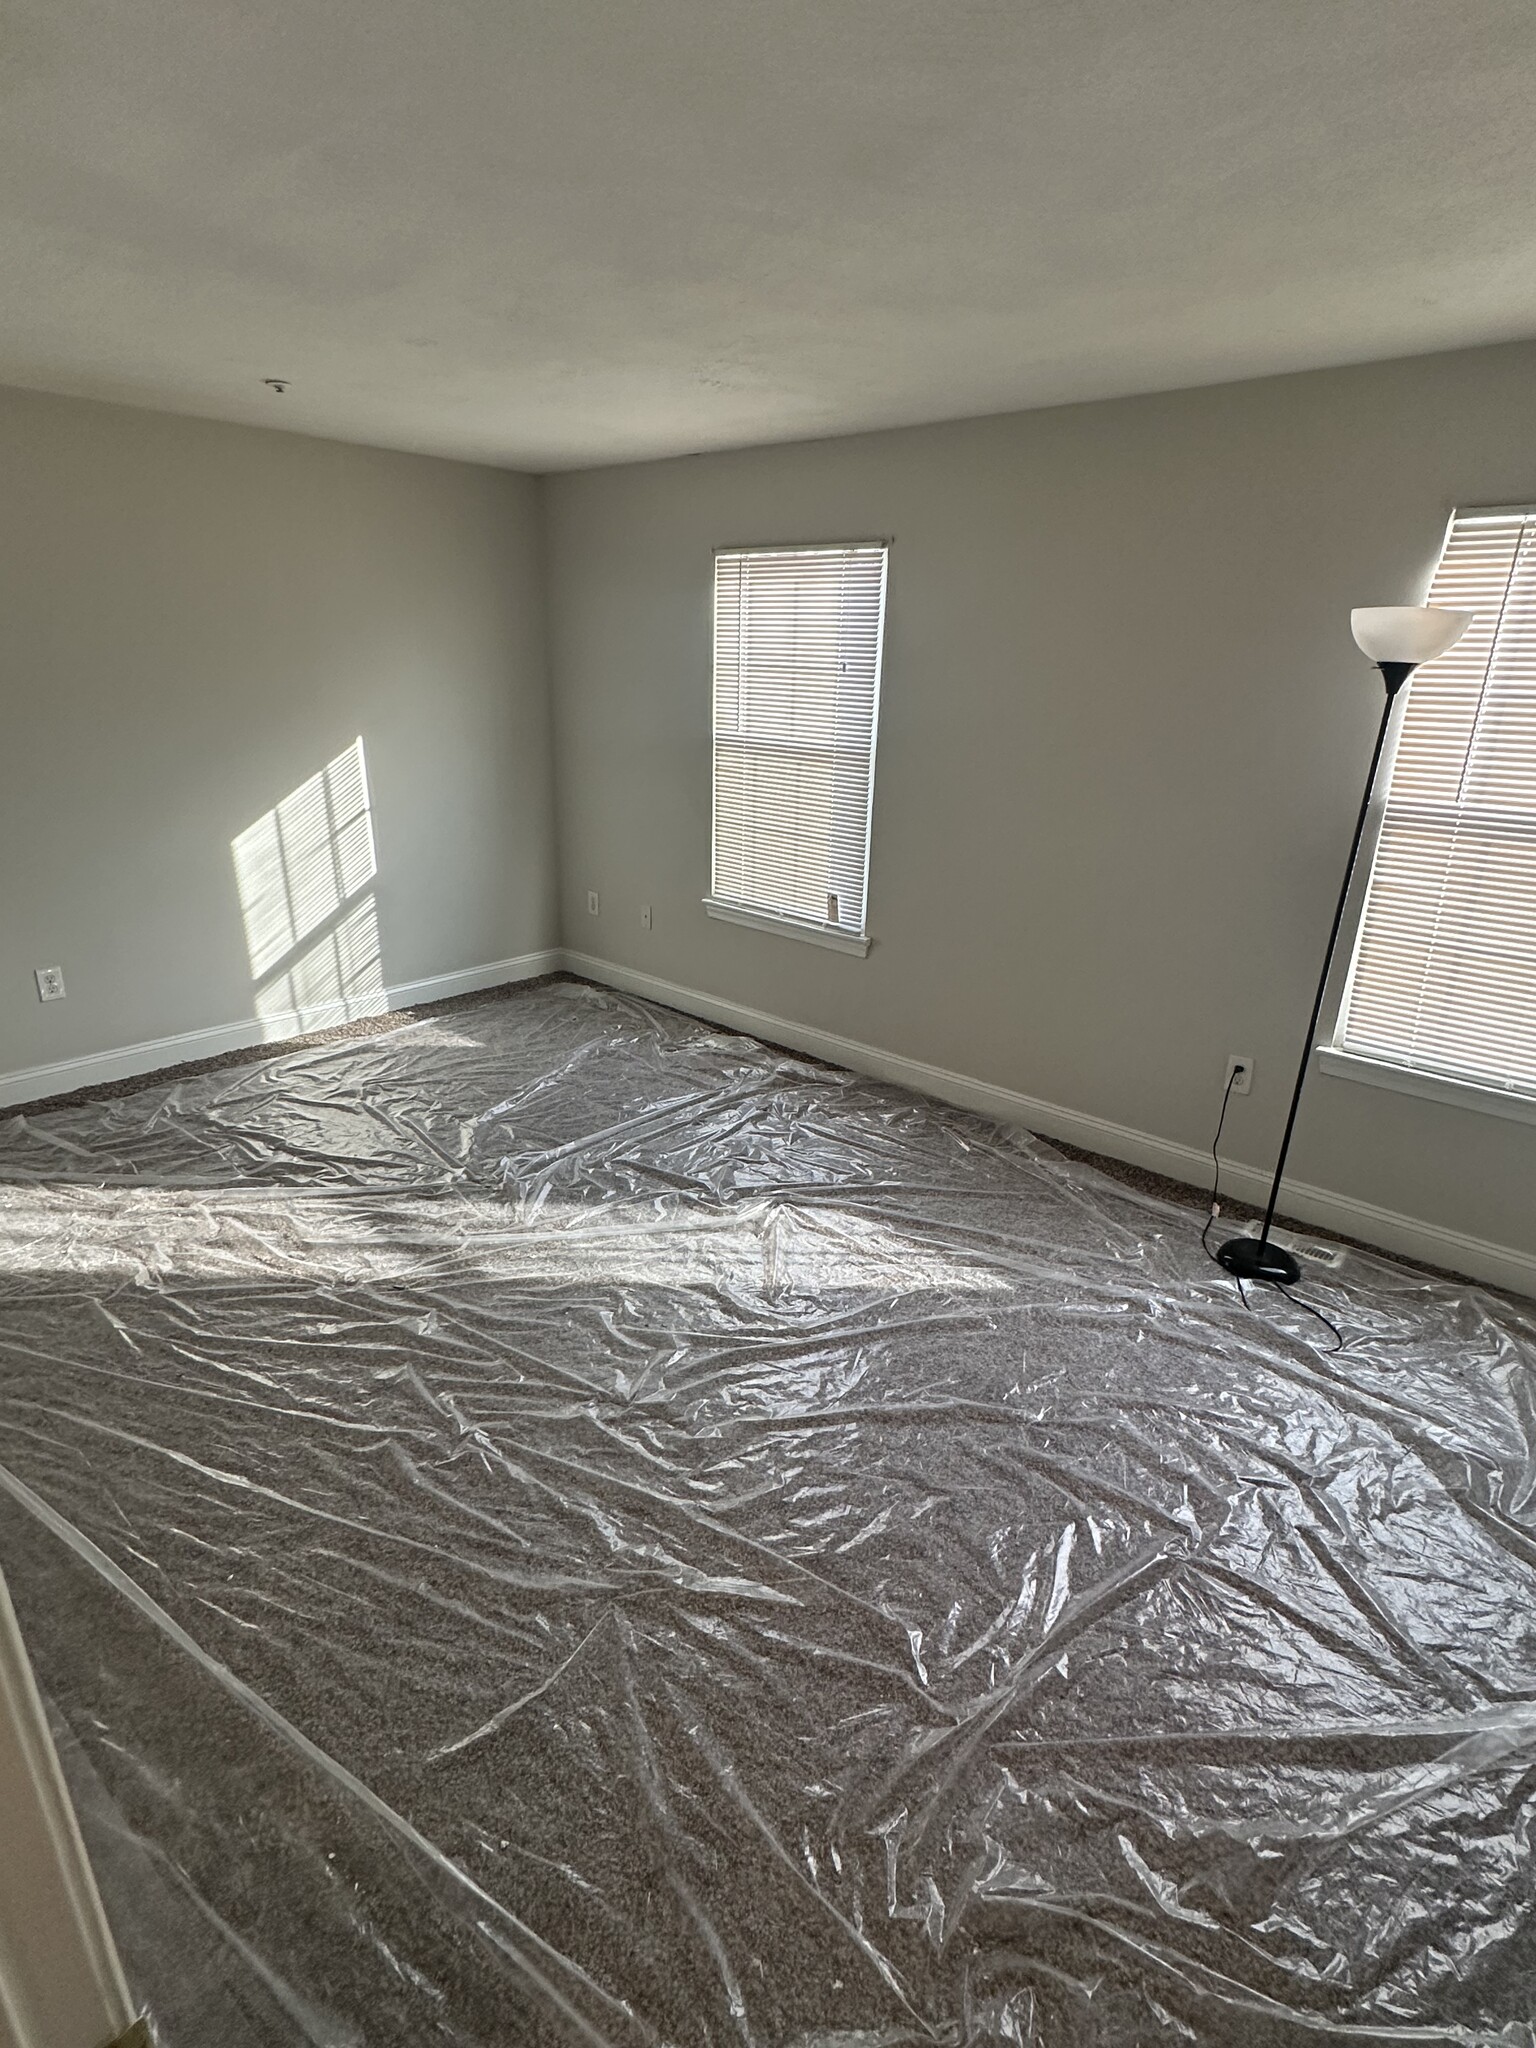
(1252, 1258)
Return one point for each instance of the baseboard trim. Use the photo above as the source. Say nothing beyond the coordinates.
(1499, 1265)
(1409, 1236)
(121, 1063)
(66, 1982)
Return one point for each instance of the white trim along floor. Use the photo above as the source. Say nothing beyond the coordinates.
(1408, 1236)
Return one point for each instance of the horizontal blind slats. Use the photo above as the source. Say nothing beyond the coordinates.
(796, 693)
(1444, 976)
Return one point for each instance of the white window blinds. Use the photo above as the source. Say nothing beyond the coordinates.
(797, 690)
(1444, 976)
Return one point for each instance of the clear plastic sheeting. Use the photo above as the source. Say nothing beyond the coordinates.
(558, 1525)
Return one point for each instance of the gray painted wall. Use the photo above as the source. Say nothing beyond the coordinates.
(194, 619)
(1122, 739)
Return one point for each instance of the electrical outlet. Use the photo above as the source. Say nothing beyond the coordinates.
(591, 903)
(50, 984)
(645, 917)
(1238, 1063)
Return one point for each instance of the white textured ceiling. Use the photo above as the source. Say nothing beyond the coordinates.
(556, 232)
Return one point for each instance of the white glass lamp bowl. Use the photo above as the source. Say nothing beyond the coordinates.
(1410, 633)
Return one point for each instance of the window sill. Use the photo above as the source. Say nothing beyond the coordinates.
(1354, 1066)
(787, 927)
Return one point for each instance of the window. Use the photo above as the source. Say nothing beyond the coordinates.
(1444, 975)
(797, 689)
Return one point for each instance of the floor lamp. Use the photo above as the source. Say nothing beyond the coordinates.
(1397, 638)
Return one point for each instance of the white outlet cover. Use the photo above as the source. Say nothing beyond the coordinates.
(50, 983)
(591, 903)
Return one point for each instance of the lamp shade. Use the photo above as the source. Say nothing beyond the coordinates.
(1408, 633)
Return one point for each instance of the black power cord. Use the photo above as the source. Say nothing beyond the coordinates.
(1296, 1302)
(1205, 1236)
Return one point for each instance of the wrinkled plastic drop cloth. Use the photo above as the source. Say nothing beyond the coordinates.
(558, 1525)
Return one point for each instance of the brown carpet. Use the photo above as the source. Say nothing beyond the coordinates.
(1158, 1185)
(564, 1526)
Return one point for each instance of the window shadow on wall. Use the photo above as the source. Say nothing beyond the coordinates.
(305, 872)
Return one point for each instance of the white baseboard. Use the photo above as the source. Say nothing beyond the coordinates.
(1500, 1265)
(33, 1084)
(60, 1977)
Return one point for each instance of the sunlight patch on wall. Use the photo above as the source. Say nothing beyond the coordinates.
(305, 871)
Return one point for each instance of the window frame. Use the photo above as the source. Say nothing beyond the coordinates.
(1344, 1061)
(759, 917)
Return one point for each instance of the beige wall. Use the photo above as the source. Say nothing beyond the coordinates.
(194, 619)
(1122, 739)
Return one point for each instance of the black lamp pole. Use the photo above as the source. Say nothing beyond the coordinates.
(1255, 1258)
